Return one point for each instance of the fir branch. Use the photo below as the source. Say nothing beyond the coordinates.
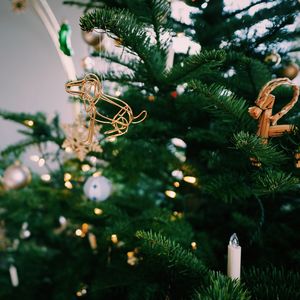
(131, 31)
(272, 283)
(196, 66)
(223, 104)
(171, 254)
(132, 64)
(252, 146)
(222, 287)
(18, 147)
(273, 181)
(227, 187)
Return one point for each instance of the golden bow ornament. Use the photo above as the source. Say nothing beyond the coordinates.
(89, 89)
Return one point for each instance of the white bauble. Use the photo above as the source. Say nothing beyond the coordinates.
(97, 188)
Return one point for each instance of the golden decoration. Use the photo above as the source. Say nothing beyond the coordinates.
(273, 58)
(75, 136)
(297, 157)
(290, 71)
(267, 123)
(90, 91)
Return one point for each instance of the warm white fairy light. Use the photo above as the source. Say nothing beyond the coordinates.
(29, 123)
(85, 167)
(34, 158)
(68, 185)
(68, 150)
(118, 93)
(97, 174)
(178, 143)
(46, 177)
(190, 179)
(176, 184)
(170, 193)
(177, 174)
(114, 238)
(131, 258)
(98, 211)
(62, 220)
(78, 232)
(41, 162)
(194, 245)
(67, 177)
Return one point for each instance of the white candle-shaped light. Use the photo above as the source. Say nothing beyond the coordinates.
(13, 276)
(234, 258)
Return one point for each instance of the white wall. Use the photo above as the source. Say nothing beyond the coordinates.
(31, 76)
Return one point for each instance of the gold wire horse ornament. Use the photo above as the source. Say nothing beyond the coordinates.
(89, 89)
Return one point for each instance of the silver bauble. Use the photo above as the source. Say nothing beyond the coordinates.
(97, 188)
(16, 177)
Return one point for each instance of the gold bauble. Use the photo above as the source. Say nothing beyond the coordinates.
(273, 59)
(290, 71)
(16, 177)
(92, 38)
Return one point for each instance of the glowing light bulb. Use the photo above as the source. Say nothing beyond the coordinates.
(68, 150)
(190, 179)
(98, 211)
(78, 232)
(46, 177)
(68, 185)
(170, 194)
(114, 238)
(34, 158)
(84, 228)
(67, 177)
(177, 174)
(194, 245)
(178, 143)
(85, 167)
(41, 162)
(97, 174)
(29, 123)
(176, 184)
(62, 220)
(118, 93)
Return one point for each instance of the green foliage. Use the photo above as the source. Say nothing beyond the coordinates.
(272, 283)
(203, 100)
(252, 146)
(222, 287)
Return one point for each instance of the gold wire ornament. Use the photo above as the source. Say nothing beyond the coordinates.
(89, 89)
(75, 134)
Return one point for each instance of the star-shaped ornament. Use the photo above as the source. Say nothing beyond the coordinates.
(75, 141)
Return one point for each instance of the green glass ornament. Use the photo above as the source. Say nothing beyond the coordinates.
(64, 36)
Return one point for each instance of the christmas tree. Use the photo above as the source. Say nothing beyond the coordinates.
(148, 214)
